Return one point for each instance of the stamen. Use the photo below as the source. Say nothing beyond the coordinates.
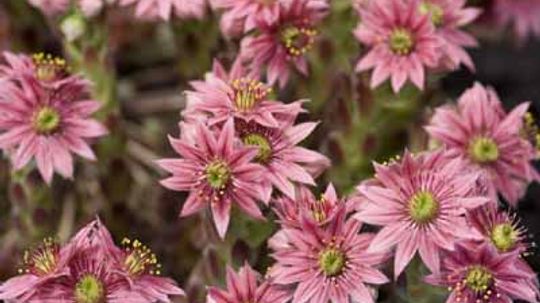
(140, 259)
(49, 68)
(435, 12)
(298, 40)
(478, 279)
(247, 93)
(42, 260)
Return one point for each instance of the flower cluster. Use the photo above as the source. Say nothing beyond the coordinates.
(405, 38)
(45, 114)
(90, 268)
(237, 146)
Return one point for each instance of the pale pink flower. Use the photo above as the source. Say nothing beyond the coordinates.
(448, 17)
(402, 42)
(48, 125)
(477, 273)
(522, 15)
(327, 264)
(283, 44)
(89, 8)
(420, 202)
(306, 206)
(164, 9)
(240, 16)
(247, 286)
(237, 94)
(478, 131)
(217, 173)
(284, 161)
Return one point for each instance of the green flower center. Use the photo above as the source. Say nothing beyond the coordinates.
(332, 262)
(478, 279)
(483, 150)
(264, 146)
(46, 120)
(247, 93)
(298, 40)
(89, 290)
(435, 12)
(423, 207)
(401, 42)
(218, 174)
(504, 237)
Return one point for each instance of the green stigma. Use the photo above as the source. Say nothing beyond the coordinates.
(332, 262)
(265, 149)
(89, 290)
(484, 150)
(434, 11)
(298, 40)
(46, 120)
(401, 42)
(478, 279)
(504, 237)
(423, 207)
(218, 174)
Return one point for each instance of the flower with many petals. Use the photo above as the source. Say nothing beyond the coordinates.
(327, 264)
(216, 172)
(420, 202)
(402, 42)
(284, 42)
(489, 140)
(522, 15)
(448, 16)
(237, 94)
(164, 9)
(48, 124)
(246, 286)
(477, 273)
(240, 16)
(284, 161)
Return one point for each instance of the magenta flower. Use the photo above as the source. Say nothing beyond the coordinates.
(240, 95)
(402, 42)
(329, 264)
(164, 9)
(246, 286)
(285, 163)
(48, 125)
(522, 15)
(321, 211)
(448, 16)
(420, 202)
(284, 43)
(217, 173)
(240, 16)
(477, 273)
(489, 140)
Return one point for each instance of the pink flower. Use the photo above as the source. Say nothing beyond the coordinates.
(522, 15)
(217, 173)
(285, 42)
(48, 125)
(402, 42)
(45, 262)
(240, 95)
(284, 161)
(240, 16)
(477, 273)
(329, 264)
(321, 211)
(152, 9)
(420, 202)
(489, 140)
(89, 8)
(448, 16)
(246, 286)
